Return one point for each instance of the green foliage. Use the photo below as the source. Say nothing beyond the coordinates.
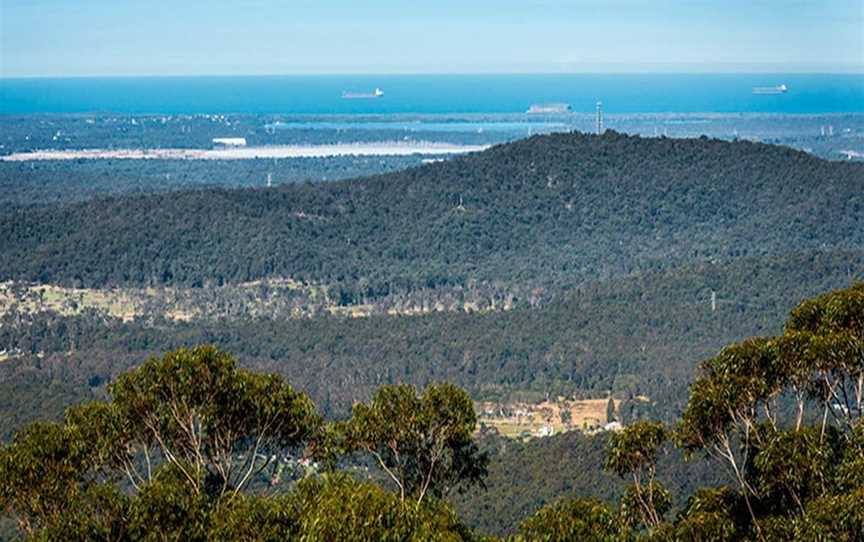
(168, 507)
(423, 442)
(255, 519)
(636, 447)
(645, 506)
(827, 359)
(338, 507)
(643, 330)
(47, 474)
(98, 514)
(793, 467)
(712, 515)
(839, 518)
(786, 476)
(537, 210)
(520, 479)
(185, 430)
(729, 385)
(610, 411)
(836, 311)
(774, 528)
(633, 452)
(850, 471)
(573, 520)
(795, 481)
(209, 419)
(204, 417)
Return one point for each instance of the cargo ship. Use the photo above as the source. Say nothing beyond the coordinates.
(377, 93)
(779, 89)
(549, 108)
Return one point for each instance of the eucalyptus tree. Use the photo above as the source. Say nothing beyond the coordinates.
(734, 410)
(723, 410)
(834, 323)
(585, 520)
(187, 430)
(50, 482)
(216, 424)
(424, 443)
(337, 506)
(633, 452)
(711, 515)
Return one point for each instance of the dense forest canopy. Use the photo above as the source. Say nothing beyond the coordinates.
(553, 210)
(632, 336)
(30, 183)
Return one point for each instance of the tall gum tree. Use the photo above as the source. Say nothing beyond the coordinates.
(734, 410)
(424, 443)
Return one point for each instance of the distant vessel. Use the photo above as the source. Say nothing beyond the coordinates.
(549, 108)
(377, 93)
(779, 89)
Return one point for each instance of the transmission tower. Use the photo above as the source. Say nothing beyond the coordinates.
(599, 118)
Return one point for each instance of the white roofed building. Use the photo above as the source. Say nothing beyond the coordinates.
(229, 141)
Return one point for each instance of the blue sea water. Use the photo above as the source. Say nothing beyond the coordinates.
(424, 125)
(435, 94)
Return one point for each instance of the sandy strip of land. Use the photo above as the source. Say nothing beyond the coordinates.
(246, 153)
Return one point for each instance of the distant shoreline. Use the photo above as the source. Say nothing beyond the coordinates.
(435, 94)
(250, 153)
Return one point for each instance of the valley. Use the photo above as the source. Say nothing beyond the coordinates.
(569, 283)
(341, 271)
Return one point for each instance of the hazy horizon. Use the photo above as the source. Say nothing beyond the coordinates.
(839, 70)
(97, 38)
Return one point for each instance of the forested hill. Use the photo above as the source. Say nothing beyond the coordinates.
(549, 210)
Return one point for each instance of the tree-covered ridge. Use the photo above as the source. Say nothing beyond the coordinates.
(177, 427)
(554, 209)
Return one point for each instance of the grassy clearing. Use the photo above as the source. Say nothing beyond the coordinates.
(181, 304)
(527, 420)
(271, 298)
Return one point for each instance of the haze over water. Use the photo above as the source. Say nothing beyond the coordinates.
(436, 94)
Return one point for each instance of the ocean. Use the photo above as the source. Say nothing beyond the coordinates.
(435, 94)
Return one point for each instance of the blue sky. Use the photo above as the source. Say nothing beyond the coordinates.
(157, 37)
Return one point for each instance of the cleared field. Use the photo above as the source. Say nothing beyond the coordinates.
(127, 304)
(525, 420)
(271, 298)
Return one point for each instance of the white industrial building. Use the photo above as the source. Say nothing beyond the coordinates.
(229, 141)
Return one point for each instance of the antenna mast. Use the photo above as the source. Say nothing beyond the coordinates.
(599, 118)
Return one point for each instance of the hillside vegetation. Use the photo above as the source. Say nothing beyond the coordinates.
(190, 445)
(605, 250)
(554, 210)
(31, 183)
(631, 336)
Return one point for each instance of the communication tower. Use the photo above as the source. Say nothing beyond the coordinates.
(599, 118)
